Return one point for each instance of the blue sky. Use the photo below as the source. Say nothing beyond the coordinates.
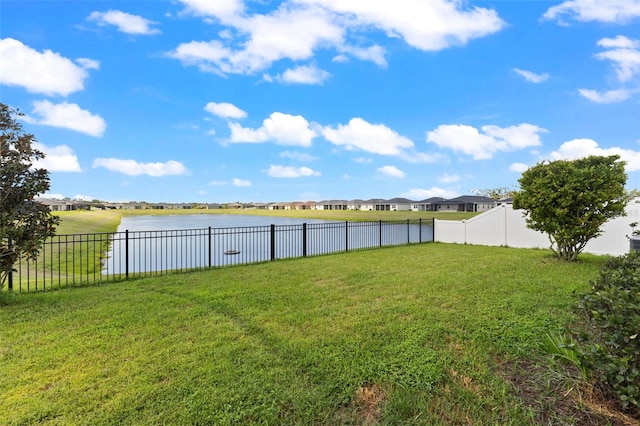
(299, 100)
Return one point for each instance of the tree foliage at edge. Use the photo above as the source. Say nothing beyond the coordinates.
(24, 222)
(570, 200)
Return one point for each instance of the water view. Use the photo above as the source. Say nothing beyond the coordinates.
(157, 243)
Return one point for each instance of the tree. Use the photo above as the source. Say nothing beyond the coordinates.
(495, 193)
(24, 222)
(571, 200)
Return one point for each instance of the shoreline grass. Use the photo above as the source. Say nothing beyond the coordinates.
(414, 334)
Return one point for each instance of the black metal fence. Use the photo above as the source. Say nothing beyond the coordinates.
(80, 259)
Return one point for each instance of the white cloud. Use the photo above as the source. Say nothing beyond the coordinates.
(126, 23)
(225, 110)
(52, 195)
(291, 172)
(67, 116)
(359, 135)
(287, 33)
(619, 42)
(340, 58)
(391, 171)
(223, 10)
(133, 168)
(218, 183)
(580, 148)
(80, 197)
(282, 129)
(57, 159)
(241, 182)
(447, 178)
(609, 11)
(423, 194)
(88, 64)
(48, 73)
(483, 144)
(306, 74)
(298, 156)
(297, 29)
(518, 167)
(608, 97)
(625, 55)
(531, 76)
(425, 25)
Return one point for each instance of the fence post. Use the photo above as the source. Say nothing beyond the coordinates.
(126, 254)
(304, 239)
(433, 230)
(408, 232)
(380, 231)
(209, 235)
(10, 277)
(420, 230)
(346, 235)
(273, 242)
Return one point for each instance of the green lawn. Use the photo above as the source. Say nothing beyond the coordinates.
(422, 334)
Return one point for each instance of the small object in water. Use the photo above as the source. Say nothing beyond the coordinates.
(232, 251)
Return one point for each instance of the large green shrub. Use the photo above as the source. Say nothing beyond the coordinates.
(611, 350)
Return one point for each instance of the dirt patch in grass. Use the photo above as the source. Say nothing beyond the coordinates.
(562, 398)
(368, 403)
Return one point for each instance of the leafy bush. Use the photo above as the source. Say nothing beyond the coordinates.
(611, 352)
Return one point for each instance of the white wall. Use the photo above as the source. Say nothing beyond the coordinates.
(504, 226)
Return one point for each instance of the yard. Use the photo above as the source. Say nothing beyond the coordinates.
(422, 334)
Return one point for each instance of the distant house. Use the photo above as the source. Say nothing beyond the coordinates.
(57, 205)
(428, 204)
(400, 204)
(465, 203)
(331, 205)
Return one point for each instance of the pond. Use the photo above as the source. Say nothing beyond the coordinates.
(175, 242)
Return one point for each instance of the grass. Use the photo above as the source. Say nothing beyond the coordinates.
(77, 259)
(423, 334)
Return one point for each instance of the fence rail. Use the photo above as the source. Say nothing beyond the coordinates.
(80, 259)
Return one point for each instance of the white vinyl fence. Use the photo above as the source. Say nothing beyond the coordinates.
(504, 226)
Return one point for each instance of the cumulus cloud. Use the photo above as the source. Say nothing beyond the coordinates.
(447, 178)
(225, 110)
(67, 116)
(518, 167)
(297, 29)
(282, 129)
(360, 135)
(241, 182)
(426, 25)
(44, 72)
(287, 33)
(291, 172)
(391, 171)
(624, 53)
(434, 191)
(484, 143)
(609, 11)
(57, 159)
(88, 64)
(218, 183)
(134, 168)
(608, 97)
(125, 22)
(306, 74)
(580, 148)
(531, 76)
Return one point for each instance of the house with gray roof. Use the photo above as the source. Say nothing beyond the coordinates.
(465, 203)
